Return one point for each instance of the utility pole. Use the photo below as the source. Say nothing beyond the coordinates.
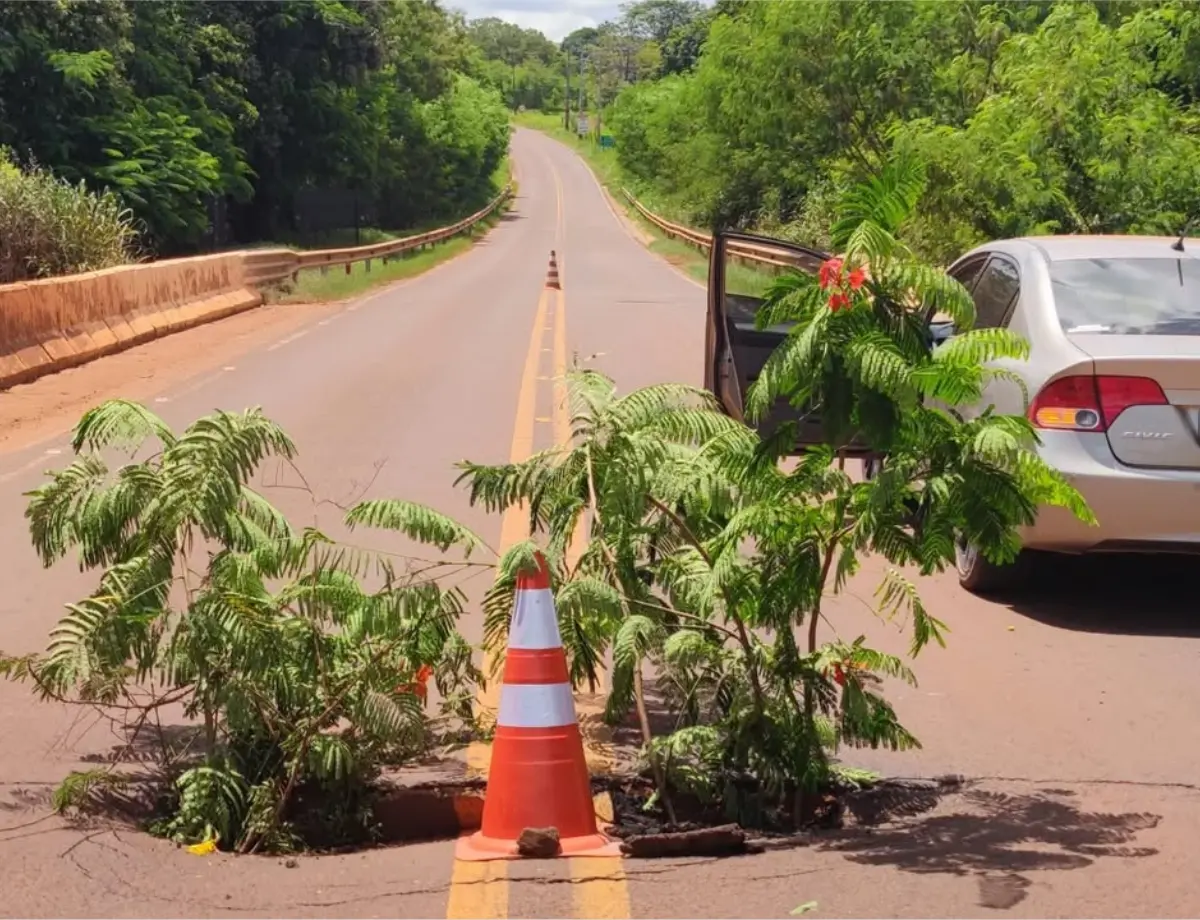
(567, 77)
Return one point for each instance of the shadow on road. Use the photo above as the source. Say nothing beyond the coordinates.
(1118, 594)
(997, 836)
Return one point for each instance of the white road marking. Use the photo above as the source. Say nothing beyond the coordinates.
(37, 461)
(287, 341)
(198, 383)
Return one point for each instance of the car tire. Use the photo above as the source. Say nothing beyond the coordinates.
(979, 575)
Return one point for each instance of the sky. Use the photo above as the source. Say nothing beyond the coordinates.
(555, 18)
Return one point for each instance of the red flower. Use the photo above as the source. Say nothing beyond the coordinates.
(420, 685)
(423, 675)
(838, 301)
(830, 272)
(839, 676)
(856, 279)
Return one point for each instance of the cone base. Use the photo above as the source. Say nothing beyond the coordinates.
(478, 848)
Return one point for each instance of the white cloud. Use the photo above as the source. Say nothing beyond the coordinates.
(555, 18)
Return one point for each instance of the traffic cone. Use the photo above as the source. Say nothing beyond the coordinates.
(552, 275)
(538, 776)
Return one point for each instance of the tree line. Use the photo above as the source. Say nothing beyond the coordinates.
(209, 121)
(1034, 117)
(651, 39)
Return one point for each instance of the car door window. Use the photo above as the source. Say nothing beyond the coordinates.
(995, 292)
(967, 273)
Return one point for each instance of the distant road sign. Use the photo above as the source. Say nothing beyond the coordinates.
(581, 126)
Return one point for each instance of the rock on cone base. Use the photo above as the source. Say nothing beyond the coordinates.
(478, 848)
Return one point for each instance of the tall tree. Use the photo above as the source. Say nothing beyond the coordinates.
(178, 106)
(655, 20)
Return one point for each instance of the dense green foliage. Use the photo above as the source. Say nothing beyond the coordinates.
(209, 118)
(1034, 117)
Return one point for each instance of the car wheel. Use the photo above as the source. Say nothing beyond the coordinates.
(980, 576)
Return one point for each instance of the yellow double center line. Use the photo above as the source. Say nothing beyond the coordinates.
(480, 889)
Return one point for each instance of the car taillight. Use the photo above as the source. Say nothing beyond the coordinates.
(1081, 403)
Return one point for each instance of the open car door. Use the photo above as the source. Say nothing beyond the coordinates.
(740, 269)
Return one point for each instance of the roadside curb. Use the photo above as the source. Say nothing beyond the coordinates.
(154, 299)
(87, 342)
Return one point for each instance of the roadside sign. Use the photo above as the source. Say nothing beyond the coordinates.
(606, 140)
(581, 126)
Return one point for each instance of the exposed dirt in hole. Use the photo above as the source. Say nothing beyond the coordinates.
(746, 820)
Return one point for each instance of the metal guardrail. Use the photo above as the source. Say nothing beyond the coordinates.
(747, 252)
(265, 266)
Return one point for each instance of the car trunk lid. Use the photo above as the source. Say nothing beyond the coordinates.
(1165, 435)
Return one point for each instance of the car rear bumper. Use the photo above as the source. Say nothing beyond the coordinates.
(1136, 509)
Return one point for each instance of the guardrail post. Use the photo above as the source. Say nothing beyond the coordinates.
(347, 268)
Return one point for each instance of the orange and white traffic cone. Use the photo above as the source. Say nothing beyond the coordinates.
(552, 281)
(538, 776)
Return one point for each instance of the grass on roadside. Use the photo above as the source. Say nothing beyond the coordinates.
(336, 284)
(315, 286)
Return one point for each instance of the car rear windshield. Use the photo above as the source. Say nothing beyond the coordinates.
(1127, 296)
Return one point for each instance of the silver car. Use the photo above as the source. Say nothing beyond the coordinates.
(1113, 324)
(1113, 378)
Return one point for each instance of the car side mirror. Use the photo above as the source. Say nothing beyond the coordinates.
(940, 332)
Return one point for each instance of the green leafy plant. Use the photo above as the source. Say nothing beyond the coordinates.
(710, 560)
(303, 680)
(592, 495)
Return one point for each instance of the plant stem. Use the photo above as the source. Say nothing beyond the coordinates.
(210, 729)
(805, 802)
(660, 775)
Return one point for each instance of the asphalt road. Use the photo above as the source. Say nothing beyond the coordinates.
(1073, 714)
